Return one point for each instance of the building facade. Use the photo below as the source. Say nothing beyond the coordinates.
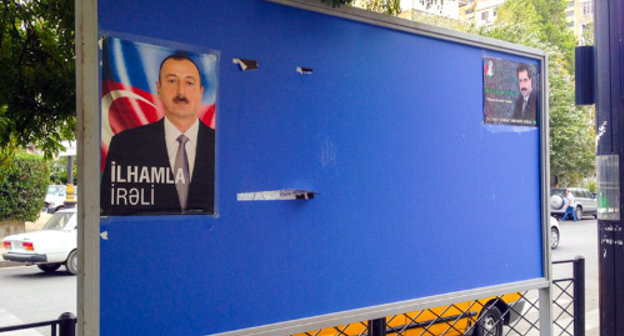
(580, 16)
(480, 12)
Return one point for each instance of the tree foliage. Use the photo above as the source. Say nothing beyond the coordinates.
(546, 20)
(392, 7)
(587, 37)
(58, 171)
(37, 91)
(23, 187)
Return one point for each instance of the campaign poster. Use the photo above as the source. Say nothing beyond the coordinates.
(158, 113)
(511, 93)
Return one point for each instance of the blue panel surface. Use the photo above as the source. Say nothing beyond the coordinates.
(417, 196)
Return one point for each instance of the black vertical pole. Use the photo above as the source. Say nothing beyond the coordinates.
(609, 91)
(579, 296)
(70, 170)
(377, 327)
(67, 325)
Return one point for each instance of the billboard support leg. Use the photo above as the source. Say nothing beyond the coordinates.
(377, 327)
(545, 311)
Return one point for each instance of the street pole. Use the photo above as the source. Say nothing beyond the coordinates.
(608, 53)
(70, 169)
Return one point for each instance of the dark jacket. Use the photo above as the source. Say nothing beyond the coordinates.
(530, 111)
(143, 183)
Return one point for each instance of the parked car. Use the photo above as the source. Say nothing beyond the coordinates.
(50, 248)
(555, 232)
(55, 197)
(584, 202)
(58, 197)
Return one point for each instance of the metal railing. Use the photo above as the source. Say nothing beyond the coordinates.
(65, 325)
(570, 302)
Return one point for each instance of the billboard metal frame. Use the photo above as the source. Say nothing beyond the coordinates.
(87, 102)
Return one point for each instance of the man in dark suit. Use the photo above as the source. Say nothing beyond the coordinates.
(167, 166)
(525, 108)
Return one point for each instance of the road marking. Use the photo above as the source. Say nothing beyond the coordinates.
(8, 320)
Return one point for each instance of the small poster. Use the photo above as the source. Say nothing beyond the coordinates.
(158, 129)
(511, 93)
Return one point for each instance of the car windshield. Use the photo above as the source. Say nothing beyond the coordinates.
(559, 191)
(56, 190)
(59, 221)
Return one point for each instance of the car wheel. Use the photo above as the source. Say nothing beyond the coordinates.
(49, 268)
(554, 238)
(490, 322)
(72, 262)
(579, 212)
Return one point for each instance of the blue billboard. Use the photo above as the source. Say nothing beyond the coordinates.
(353, 167)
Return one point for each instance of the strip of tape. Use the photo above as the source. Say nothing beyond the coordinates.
(276, 195)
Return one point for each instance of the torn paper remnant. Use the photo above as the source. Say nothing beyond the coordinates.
(246, 64)
(276, 195)
(304, 71)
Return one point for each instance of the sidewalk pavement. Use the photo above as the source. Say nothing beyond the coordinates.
(30, 226)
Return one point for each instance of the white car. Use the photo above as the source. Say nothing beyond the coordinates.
(55, 197)
(54, 245)
(554, 232)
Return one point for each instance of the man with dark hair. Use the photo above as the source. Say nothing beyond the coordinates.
(166, 166)
(525, 108)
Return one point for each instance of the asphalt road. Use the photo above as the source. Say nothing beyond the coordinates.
(29, 295)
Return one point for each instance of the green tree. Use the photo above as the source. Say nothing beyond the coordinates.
(23, 187)
(572, 148)
(544, 18)
(542, 24)
(37, 90)
(587, 37)
(391, 7)
(58, 171)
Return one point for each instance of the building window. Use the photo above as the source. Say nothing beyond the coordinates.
(571, 4)
(485, 16)
(571, 24)
(570, 13)
(588, 7)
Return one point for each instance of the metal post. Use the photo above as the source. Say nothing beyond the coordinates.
(609, 94)
(70, 170)
(579, 296)
(377, 327)
(545, 312)
(88, 150)
(67, 325)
